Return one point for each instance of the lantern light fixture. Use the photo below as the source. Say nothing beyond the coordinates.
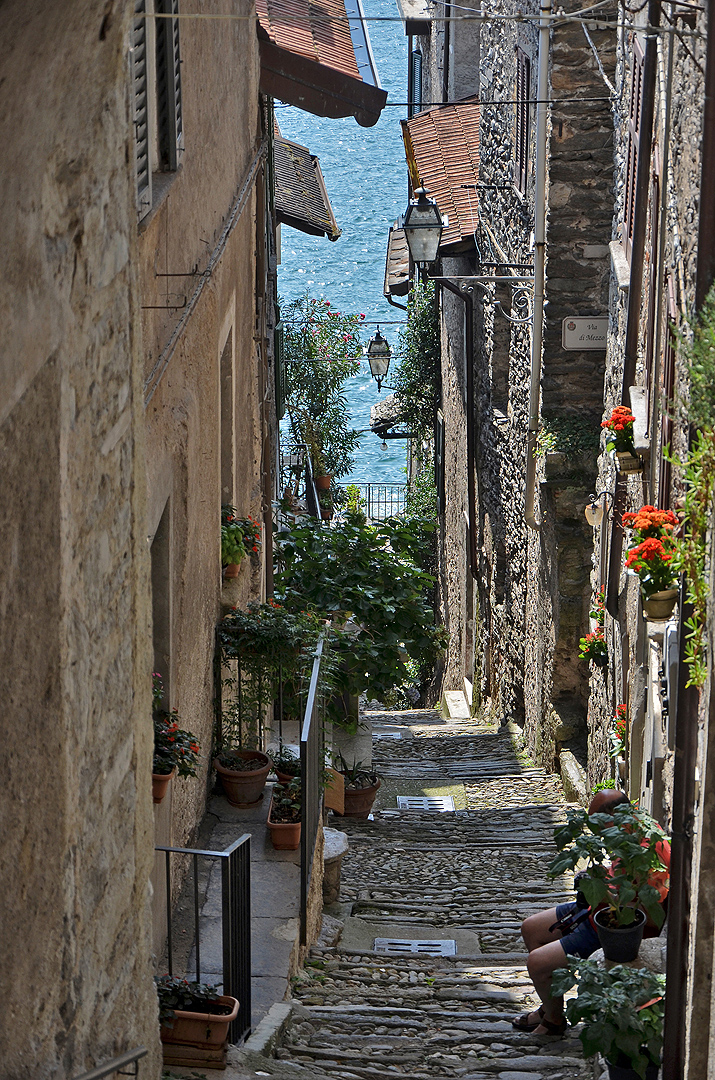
(423, 224)
(596, 506)
(378, 355)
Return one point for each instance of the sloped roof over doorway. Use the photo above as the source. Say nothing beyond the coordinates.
(317, 55)
(442, 150)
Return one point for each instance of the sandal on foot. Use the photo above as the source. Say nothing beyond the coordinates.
(522, 1022)
(553, 1031)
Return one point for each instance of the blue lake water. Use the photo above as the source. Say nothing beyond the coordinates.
(366, 178)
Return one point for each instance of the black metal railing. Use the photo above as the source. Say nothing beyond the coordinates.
(312, 764)
(380, 501)
(117, 1065)
(235, 980)
(296, 473)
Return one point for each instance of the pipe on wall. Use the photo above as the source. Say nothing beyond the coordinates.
(537, 331)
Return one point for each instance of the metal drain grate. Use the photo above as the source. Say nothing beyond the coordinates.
(438, 803)
(400, 946)
(387, 734)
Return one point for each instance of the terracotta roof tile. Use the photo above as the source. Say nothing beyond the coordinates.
(442, 148)
(318, 31)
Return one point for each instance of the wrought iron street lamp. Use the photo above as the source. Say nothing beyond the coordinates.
(378, 355)
(423, 225)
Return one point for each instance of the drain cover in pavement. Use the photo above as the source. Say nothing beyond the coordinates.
(387, 734)
(398, 946)
(425, 802)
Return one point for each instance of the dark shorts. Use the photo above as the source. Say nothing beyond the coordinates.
(583, 940)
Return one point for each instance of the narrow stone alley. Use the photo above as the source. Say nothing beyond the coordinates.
(467, 876)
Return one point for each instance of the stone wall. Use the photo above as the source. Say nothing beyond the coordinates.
(76, 818)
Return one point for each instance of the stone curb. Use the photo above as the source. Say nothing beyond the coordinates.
(261, 1044)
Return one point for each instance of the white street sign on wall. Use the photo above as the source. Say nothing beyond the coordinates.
(580, 332)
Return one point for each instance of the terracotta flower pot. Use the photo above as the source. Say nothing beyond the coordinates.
(232, 570)
(284, 777)
(285, 835)
(244, 788)
(322, 482)
(659, 605)
(326, 514)
(200, 1029)
(619, 943)
(160, 784)
(358, 801)
(627, 462)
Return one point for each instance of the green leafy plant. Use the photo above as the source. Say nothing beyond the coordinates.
(371, 571)
(286, 761)
(174, 747)
(175, 993)
(260, 647)
(321, 347)
(622, 851)
(421, 495)
(604, 785)
(287, 801)
(622, 1011)
(416, 379)
(357, 775)
(570, 435)
(594, 647)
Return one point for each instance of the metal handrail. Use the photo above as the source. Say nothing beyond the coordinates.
(131, 1057)
(235, 922)
(311, 769)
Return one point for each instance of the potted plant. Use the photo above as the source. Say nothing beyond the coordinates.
(286, 764)
(175, 749)
(284, 815)
(594, 648)
(326, 505)
(193, 1014)
(233, 549)
(243, 775)
(619, 726)
(622, 1012)
(361, 787)
(620, 439)
(623, 851)
(651, 560)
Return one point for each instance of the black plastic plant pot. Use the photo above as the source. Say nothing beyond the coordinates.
(627, 1072)
(600, 660)
(621, 943)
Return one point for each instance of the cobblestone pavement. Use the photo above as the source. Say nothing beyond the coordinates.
(473, 874)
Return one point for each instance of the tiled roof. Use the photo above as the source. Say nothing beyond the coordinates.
(397, 264)
(319, 31)
(442, 149)
(316, 54)
(301, 198)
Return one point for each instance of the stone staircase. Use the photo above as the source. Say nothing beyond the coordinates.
(470, 875)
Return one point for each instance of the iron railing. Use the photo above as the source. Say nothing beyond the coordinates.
(312, 764)
(235, 864)
(380, 501)
(296, 473)
(117, 1065)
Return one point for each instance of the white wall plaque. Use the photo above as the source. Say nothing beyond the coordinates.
(582, 332)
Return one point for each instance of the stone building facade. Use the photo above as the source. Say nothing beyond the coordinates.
(516, 600)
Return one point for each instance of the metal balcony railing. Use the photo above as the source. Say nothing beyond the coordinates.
(380, 501)
(117, 1065)
(235, 979)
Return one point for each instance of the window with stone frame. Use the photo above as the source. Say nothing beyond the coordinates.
(634, 129)
(156, 75)
(523, 131)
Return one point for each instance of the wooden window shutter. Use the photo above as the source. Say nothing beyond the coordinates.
(521, 148)
(634, 132)
(168, 86)
(415, 88)
(142, 109)
(280, 371)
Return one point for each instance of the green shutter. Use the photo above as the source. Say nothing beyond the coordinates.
(280, 372)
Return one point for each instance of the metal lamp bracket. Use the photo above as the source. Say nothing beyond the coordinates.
(521, 293)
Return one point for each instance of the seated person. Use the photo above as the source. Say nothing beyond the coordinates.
(550, 944)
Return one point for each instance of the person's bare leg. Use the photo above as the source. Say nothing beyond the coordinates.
(541, 964)
(536, 932)
(536, 929)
